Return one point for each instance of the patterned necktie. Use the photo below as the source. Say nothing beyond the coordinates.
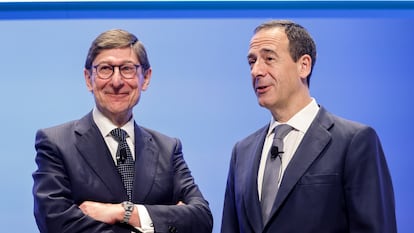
(125, 162)
(272, 174)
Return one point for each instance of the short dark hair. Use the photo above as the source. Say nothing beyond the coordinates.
(300, 41)
(117, 38)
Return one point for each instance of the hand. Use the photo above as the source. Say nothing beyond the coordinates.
(104, 212)
(180, 203)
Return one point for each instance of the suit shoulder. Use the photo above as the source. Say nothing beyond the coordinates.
(160, 141)
(347, 126)
(58, 135)
(83, 123)
(157, 136)
(253, 137)
(56, 129)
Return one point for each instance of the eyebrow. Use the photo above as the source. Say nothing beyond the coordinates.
(123, 62)
(267, 51)
(250, 55)
(262, 52)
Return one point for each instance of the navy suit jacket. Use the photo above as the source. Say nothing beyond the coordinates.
(337, 182)
(75, 165)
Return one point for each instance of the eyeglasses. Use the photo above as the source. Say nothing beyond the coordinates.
(105, 71)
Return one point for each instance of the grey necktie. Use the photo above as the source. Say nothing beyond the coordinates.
(272, 173)
(125, 162)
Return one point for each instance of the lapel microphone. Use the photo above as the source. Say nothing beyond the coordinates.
(122, 155)
(274, 152)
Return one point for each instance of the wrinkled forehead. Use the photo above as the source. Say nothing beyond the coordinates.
(270, 39)
(123, 54)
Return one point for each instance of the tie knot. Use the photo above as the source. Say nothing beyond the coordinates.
(119, 134)
(282, 130)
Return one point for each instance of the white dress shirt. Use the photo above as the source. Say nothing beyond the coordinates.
(105, 127)
(300, 123)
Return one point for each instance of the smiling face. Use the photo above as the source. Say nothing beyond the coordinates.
(278, 81)
(115, 97)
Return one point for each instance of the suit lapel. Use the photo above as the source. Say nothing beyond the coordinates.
(92, 147)
(313, 143)
(251, 199)
(146, 159)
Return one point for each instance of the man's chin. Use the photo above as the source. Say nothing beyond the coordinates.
(262, 103)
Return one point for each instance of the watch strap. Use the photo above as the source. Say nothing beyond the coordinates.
(129, 208)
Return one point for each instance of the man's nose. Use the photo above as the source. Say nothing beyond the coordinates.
(258, 68)
(117, 78)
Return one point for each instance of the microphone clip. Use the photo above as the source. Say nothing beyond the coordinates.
(122, 155)
(274, 152)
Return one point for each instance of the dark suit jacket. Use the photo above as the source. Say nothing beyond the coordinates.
(337, 182)
(75, 165)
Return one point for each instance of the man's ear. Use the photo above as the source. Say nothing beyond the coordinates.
(147, 79)
(88, 79)
(304, 66)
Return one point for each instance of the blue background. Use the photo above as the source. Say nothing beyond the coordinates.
(201, 90)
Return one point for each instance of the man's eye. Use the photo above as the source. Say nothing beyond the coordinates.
(105, 68)
(127, 68)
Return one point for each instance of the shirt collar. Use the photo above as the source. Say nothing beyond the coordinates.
(301, 120)
(105, 125)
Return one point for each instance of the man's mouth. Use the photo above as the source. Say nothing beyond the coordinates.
(117, 95)
(261, 89)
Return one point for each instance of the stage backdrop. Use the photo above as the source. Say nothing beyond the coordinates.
(201, 88)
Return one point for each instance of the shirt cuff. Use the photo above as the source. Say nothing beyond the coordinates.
(146, 222)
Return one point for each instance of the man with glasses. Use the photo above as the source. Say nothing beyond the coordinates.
(103, 172)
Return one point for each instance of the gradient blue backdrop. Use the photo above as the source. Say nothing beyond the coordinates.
(201, 90)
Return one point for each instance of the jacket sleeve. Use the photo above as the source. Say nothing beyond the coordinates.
(195, 215)
(368, 186)
(230, 222)
(54, 207)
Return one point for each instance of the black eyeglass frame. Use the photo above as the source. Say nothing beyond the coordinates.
(120, 68)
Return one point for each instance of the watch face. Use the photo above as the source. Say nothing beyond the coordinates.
(128, 206)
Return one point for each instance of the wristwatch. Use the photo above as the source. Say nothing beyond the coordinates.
(128, 207)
